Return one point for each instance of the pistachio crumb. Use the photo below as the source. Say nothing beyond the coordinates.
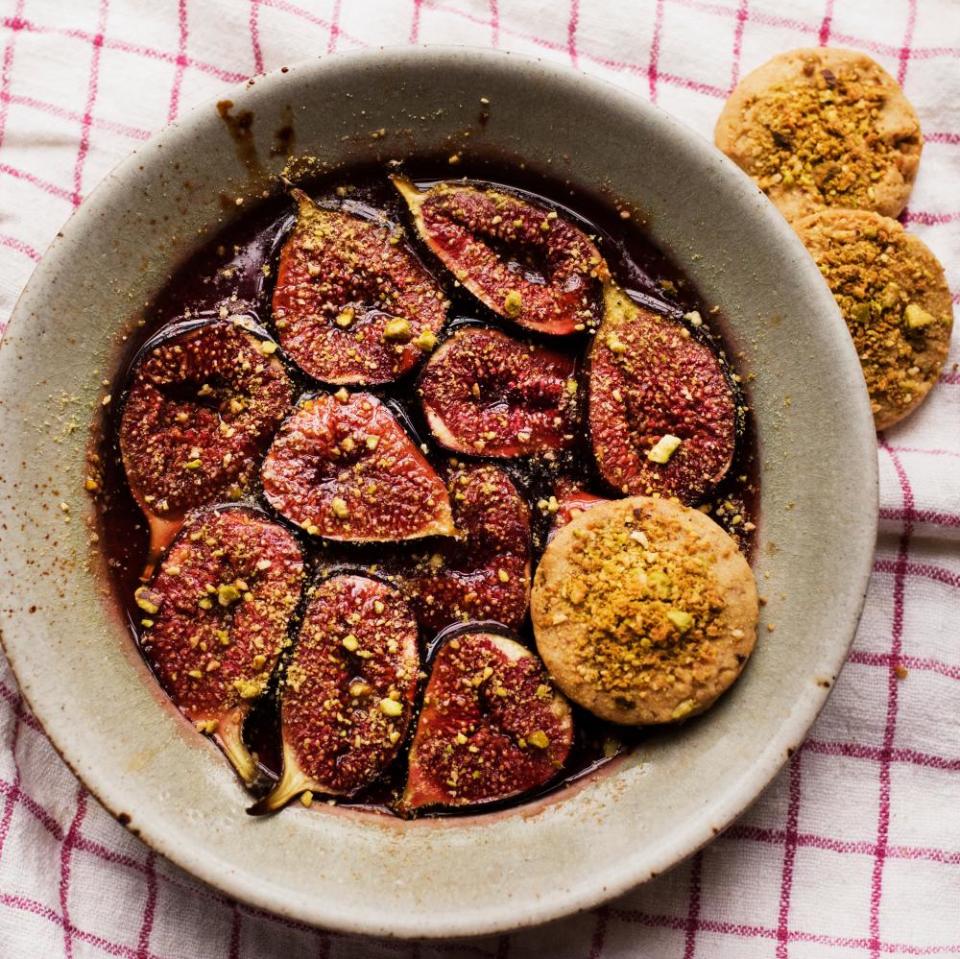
(664, 448)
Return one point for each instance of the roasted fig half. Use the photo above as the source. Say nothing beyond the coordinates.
(201, 408)
(347, 696)
(352, 303)
(343, 468)
(487, 394)
(571, 501)
(492, 726)
(526, 263)
(662, 413)
(486, 574)
(214, 619)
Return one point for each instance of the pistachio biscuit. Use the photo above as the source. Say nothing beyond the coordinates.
(644, 610)
(823, 128)
(894, 297)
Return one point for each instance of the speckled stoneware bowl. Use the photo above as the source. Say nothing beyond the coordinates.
(369, 873)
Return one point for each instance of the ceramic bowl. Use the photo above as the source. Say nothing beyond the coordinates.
(362, 872)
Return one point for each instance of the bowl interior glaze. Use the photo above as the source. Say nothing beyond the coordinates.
(458, 876)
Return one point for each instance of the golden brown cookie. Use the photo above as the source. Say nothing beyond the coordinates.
(644, 611)
(893, 295)
(821, 128)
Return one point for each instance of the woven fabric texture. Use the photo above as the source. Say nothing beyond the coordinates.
(854, 850)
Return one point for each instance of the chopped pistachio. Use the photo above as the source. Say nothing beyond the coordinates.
(398, 331)
(228, 594)
(664, 448)
(426, 341)
(345, 317)
(341, 396)
(615, 344)
(339, 508)
(306, 798)
(683, 709)
(917, 317)
(206, 725)
(513, 303)
(503, 576)
(350, 643)
(268, 347)
(192, 464)
(694, 318)
(539, 739)
(146, 600)
(680, 618)
(390, 707)
(248, 688)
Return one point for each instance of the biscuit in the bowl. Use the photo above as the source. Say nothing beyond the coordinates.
(644, 610)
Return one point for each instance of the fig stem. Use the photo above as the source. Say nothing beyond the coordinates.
(229, 739)
(291, 784)
(406, 189)
(163, 531)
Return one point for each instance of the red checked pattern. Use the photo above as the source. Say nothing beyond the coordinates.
(854, 851)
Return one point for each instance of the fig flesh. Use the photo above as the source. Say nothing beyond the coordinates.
(571, 502)
(492, 726)
(487, 394)
(662, 414)
(215, 619)
(525, 263)
(201, 408)
(347, 696)
(343, 468)
(352, 303)
(486, 574)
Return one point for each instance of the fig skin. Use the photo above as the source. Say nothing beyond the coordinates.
(486, 574)
(347, 697)
(343, 468)
(487, 394)
(200, 411)
(352, 303)
(463, 226)
(491, 727)
(215, 619)
(649, 378)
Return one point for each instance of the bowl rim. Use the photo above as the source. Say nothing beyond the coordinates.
(592, 891)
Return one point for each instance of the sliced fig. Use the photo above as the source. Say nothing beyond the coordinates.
(201, 409)
(524, 262)
(352, 304)
(571, 501)
(486, 574)
(662, 412)
(487, 394)
(492, 726)
(347, 696)
(215, 619)
(343, 468)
